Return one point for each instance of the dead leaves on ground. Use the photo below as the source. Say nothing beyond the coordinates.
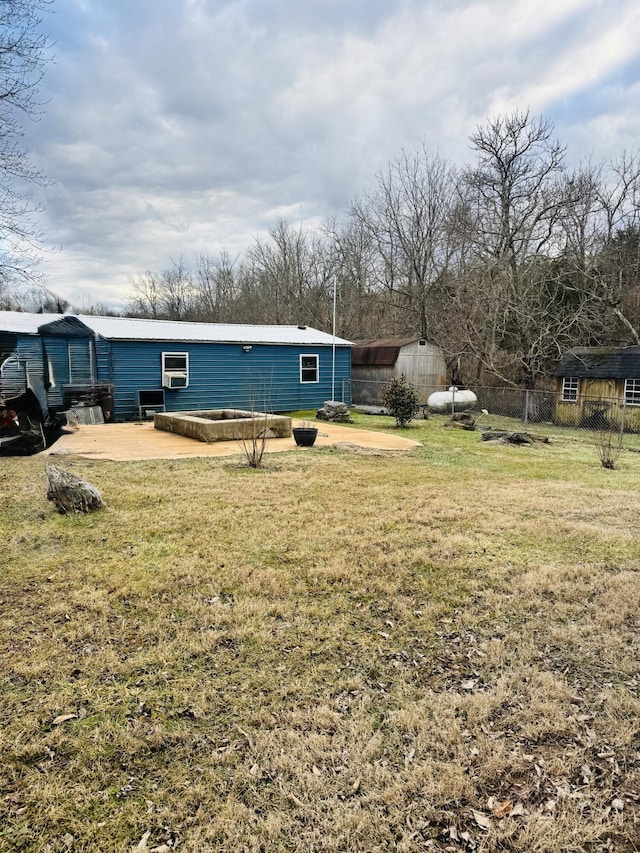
(143, 846)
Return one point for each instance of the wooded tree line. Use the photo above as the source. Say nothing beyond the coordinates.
(505, 263)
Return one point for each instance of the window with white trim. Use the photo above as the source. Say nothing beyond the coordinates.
(570, 389)
(175, 370)
(309, 368)
(632, 392)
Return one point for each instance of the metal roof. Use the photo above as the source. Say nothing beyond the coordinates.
(381, 353)
(67, 327)
(133, 329)
(601, 363)
(25, 324)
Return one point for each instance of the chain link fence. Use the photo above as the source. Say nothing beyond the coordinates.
(598, 414)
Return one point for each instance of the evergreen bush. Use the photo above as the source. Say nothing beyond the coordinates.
(401, 398)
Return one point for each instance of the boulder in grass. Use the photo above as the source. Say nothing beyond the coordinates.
(334, 411)
(70, 493)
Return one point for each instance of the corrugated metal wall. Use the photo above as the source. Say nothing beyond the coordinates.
(103, 360)
(223, 375)
(13, 379)
(424, 366)
(57, 354)
(81, 361)
(368, 382)
(25, 368)
(422, 363)
(74, 361)
(38, 361)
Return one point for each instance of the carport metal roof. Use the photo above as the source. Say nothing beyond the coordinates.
(134, 329)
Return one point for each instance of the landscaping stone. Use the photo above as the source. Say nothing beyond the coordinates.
(334, 411)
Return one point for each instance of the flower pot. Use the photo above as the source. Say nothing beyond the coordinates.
(305, 436)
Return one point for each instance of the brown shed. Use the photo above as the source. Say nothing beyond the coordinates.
(375, 363)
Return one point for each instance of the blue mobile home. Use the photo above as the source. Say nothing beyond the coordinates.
(146, 365)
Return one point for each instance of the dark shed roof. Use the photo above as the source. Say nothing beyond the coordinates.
(66, 326)
(383, 353)
(601, 363)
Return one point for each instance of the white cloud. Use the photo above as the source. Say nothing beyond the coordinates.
(183, 126)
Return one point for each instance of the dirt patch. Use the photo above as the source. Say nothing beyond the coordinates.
(136, 441)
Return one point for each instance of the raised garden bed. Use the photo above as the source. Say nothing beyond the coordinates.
(223, 424)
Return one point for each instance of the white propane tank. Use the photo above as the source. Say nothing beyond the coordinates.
(440, 402)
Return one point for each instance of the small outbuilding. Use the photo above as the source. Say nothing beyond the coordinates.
(134, 367)
(375, 363)
(599, 387)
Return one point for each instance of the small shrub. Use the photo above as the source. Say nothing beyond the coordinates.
(254, 447)
(608, 446)
(401, 398)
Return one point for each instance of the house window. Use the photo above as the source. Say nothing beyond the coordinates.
(175, 369)
(309, 368)
(570, 389)
(632, 392)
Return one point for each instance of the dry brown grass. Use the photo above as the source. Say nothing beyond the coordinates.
(436, 651)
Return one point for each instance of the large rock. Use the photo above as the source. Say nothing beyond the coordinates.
(335, 411)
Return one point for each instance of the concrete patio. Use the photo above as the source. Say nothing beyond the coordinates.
(139, 440)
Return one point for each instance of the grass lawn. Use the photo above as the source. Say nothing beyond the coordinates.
(343, 651)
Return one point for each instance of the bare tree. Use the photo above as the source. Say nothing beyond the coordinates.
(41, 300)
(23, 55)
(168, 295)
(506, 264)
(601, 230)
(509, 214)
(215, 288)
(512, 190)
(146, 297)
(407, 219)
(351, 251)
(619, 268)
(292, 273)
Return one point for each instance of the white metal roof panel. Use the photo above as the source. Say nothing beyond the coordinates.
(133, 329)
(128, 328)
(24, 324)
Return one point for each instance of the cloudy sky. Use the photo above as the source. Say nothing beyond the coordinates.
(181, 127)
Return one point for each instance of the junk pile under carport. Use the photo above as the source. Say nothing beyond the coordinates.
(22, 425)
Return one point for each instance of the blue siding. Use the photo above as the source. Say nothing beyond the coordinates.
(57, 354)
(71, 361)
(103, 360)
(81, 361)
(223, 375)
(220, 375)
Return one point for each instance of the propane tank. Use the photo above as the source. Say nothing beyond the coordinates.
(442, 402)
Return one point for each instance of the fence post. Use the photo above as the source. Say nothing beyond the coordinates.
(453, 400)
(525, 419)
(624, 411)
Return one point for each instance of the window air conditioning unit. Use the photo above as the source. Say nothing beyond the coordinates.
(175, 380)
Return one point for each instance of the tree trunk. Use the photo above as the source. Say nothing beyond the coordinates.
(70, 493)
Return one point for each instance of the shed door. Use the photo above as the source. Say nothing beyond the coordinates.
(597, 388)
